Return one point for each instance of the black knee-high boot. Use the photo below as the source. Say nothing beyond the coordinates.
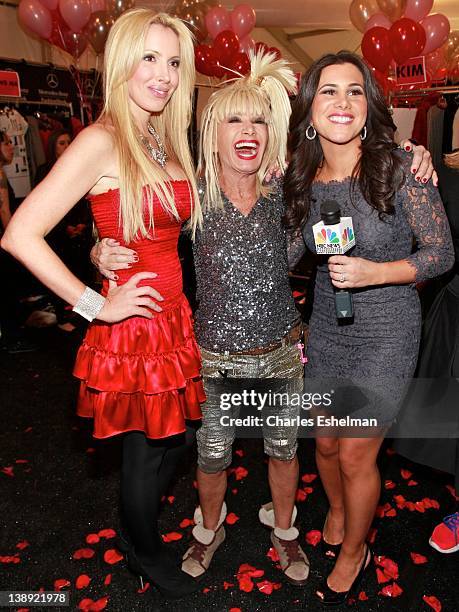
(147, 469)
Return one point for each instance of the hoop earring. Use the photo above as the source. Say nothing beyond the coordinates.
(363, 133)
(308, 135)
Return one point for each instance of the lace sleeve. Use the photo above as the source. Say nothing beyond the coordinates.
(427, 218)
(296, 248)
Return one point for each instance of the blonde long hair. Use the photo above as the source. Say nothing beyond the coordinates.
(263, 92)
(123, 53)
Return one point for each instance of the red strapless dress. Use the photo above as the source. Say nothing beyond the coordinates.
(143, 374)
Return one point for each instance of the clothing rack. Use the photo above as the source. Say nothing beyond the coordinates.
(10, 101)
(413, 93)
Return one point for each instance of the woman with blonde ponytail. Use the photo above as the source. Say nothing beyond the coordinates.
(139, 363)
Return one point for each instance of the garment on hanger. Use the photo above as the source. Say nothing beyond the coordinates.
(18, 173)
(435, 117)
(404, 121)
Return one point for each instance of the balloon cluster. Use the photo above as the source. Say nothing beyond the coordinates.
(71, 25)
(223, 36)
(396, 30)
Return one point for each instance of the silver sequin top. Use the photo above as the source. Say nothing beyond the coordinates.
(244, 296)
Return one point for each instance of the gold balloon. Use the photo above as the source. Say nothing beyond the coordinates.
(393, 9)
(360, 12)
(451, 46)
(195, 19)
(116, 7)
(97, 30)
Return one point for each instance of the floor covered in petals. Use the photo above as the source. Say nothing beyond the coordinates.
(58, 513)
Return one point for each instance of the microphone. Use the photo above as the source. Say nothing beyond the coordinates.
(334, 235)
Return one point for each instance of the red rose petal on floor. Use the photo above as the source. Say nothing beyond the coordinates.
(410, 505)
(313, 537)
(391, 512)
(389, 566)
(10, 559)
(9, 471)
(389, 484)
(235, 610)
(112, 556)
(98, 605)
(381, 576)
(107, 579)
(307, 478)
(85, 604)
(391, 590)
(400, 501)
(82, 581)
(433, 503)
(92, 538)
(433, 602)
(452, 490)
(61, 583)
(186, 523)
(412, 483)
(265, 586)
(22, 545)
(206, 590)
(239, 452)
(83, 553)
(418, 559)
(232, 518)
(173, 536)
(406, 474)
(23, 610)
(419, 506)
(273, 554)
(146, 586)
(227, 585)
(171, 499)
(363, 596)
(245, 584)
(107, 533)
(248, 570)
(301, 495)
(240, 473)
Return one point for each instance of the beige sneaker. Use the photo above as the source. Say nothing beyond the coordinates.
(292, 559)
(205, 542)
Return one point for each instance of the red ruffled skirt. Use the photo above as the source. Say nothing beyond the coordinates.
(141, 374)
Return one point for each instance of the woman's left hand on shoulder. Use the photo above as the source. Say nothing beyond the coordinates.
(352, 272)
(421, 164)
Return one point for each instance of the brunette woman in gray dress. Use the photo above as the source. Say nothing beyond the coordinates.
(342, 149)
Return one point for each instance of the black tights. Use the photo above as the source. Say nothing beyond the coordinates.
(148, 467)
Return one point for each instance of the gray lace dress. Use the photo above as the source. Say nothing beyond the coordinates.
(369, 359)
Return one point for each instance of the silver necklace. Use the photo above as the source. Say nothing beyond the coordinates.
(159, 155)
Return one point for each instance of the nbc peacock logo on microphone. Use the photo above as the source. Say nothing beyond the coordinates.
(334, 239)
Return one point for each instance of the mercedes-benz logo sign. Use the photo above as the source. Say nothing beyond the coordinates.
(52, 80)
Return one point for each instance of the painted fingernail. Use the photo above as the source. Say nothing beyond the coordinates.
(414, 170)
(129, 264)
(407, 148)
(418, 178)
(135, 258)
(115, 277)
(424, 180)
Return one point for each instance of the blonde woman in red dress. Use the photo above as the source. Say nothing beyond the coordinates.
(139, 364)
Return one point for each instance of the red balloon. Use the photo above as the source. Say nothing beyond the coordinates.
(376, 48)
(437, 30)
(240, 63)
(217, 20)
(57, 35)
(246, 44)
(275, 51)
(35, 17)
(407, 39)
(243, 20)
(204, 59)
(226, 46)
(75, 43)
(261, 46)
(75, 13)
